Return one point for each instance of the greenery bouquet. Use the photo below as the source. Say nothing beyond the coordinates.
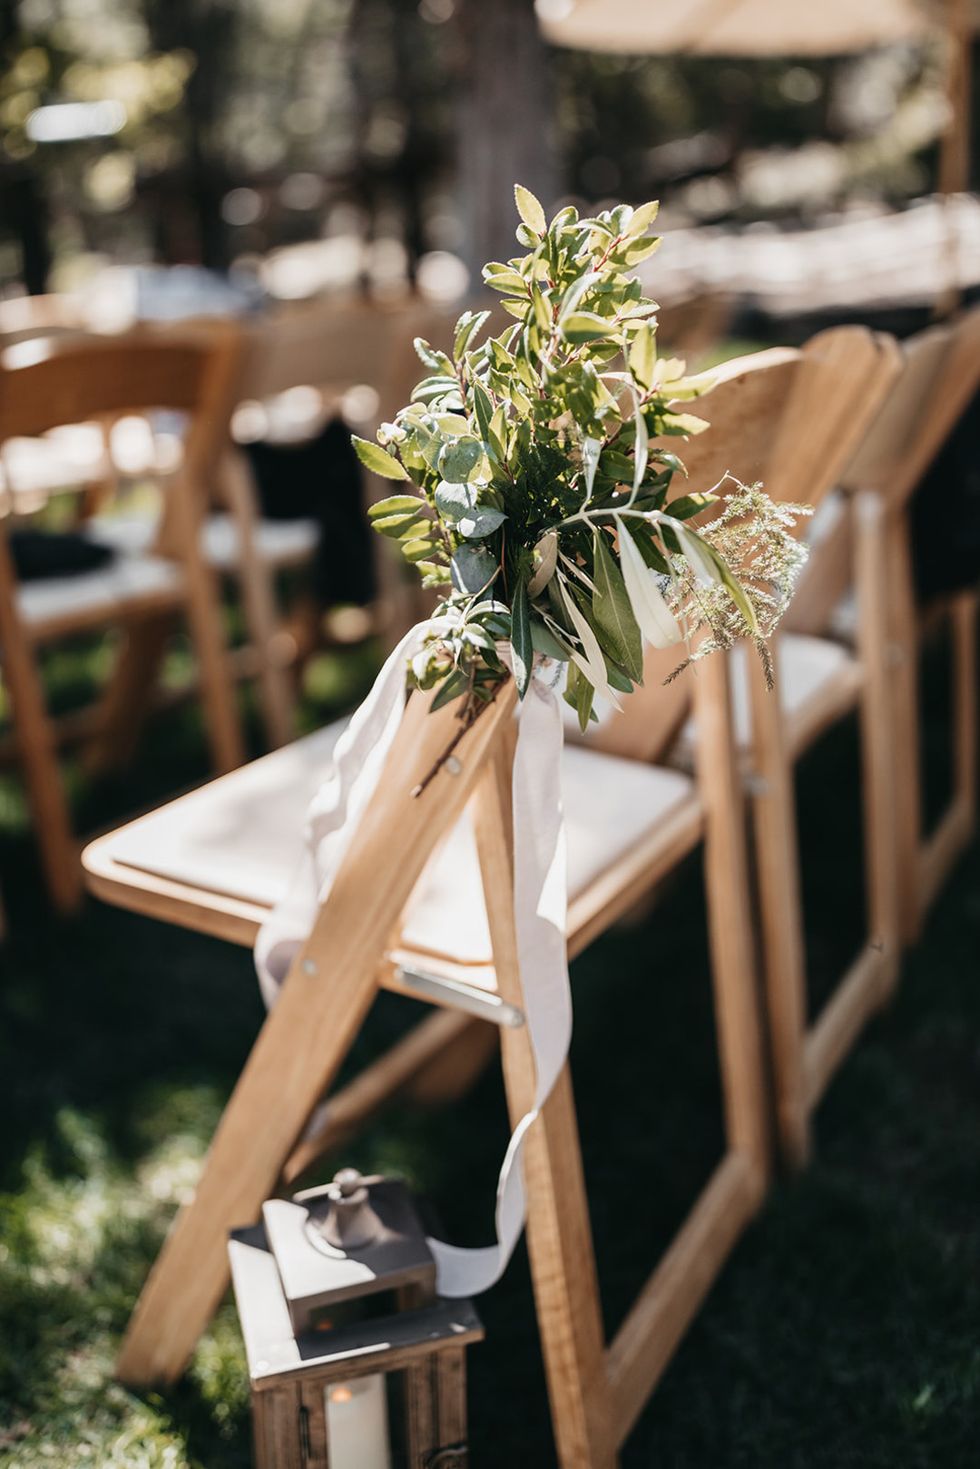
(538, 488)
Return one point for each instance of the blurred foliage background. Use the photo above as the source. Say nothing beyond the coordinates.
(246, 125)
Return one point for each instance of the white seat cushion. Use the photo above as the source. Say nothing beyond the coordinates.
(92, 594)
(806, 667)
(278, 542)
(242, 835)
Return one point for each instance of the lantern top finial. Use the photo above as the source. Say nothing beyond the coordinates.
(350, 1238)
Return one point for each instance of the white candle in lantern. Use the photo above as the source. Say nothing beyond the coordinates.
(357, 1424)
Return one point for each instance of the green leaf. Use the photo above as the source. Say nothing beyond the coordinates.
(643, 218)
(472, 569)
(638, 250)
(433, 575)
(584, 697)
(643, 355)
(400, 526)
(431, 356)
(418, 550)
(466, 329)
(378, 460)
(454, 500)
(452, 686)
(544, 641)
(483, 407)
(687, 505)
(481, 522)
(683, 423)
(459, 459)
(530, 210)
(394, 505)
(585, 326)
(520, 637)
(506, 280)
(612, 610)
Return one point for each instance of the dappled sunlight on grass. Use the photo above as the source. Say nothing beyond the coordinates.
(843, 1332)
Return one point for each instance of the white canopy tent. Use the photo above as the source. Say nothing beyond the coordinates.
(732, 27)
(784, 28)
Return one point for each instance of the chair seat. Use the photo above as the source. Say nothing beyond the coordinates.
(809, 668)
(242, 836)
(127, 582)
(278, 542)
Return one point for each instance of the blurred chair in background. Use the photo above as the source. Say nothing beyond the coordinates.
(51, 590)
(792, 419)
(940, 377)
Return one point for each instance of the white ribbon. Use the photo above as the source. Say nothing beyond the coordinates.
(540, 908)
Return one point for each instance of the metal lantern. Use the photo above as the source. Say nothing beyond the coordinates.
(354, 1361)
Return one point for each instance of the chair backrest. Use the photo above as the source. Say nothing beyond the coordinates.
(939, 375)
(790, 418)
(23, 317)
(323, 344)
(46, 384)
(690, 326)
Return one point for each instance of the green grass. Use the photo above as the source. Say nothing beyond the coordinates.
(843, 1331)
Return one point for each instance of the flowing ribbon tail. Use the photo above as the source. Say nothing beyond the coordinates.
(540, 903)
(540, 909)
(358, 758)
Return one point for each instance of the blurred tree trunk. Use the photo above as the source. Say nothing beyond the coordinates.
(205, 27)
(23, 209)
(505, 123)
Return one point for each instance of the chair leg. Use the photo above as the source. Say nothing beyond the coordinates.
(331, 984)
(733, 957)
(217, 684)
(558, 1229)
(778, 877)
(37, 742)
(877, 749)
(904, 711)
(964, 614)
(259, 1127)
(256, 579)
(125, 703)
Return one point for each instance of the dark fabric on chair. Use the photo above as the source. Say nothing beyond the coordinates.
(945, 512)
(321, 479)
(38, 554)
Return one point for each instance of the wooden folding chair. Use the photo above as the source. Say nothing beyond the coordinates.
(45, 384)
(940, 376)
(329, 348)
(218, 859)
(792, 419)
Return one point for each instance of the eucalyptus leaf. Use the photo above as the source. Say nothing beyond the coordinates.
(460, 458)
(455, 500)
(481, 522)
(473, 568)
